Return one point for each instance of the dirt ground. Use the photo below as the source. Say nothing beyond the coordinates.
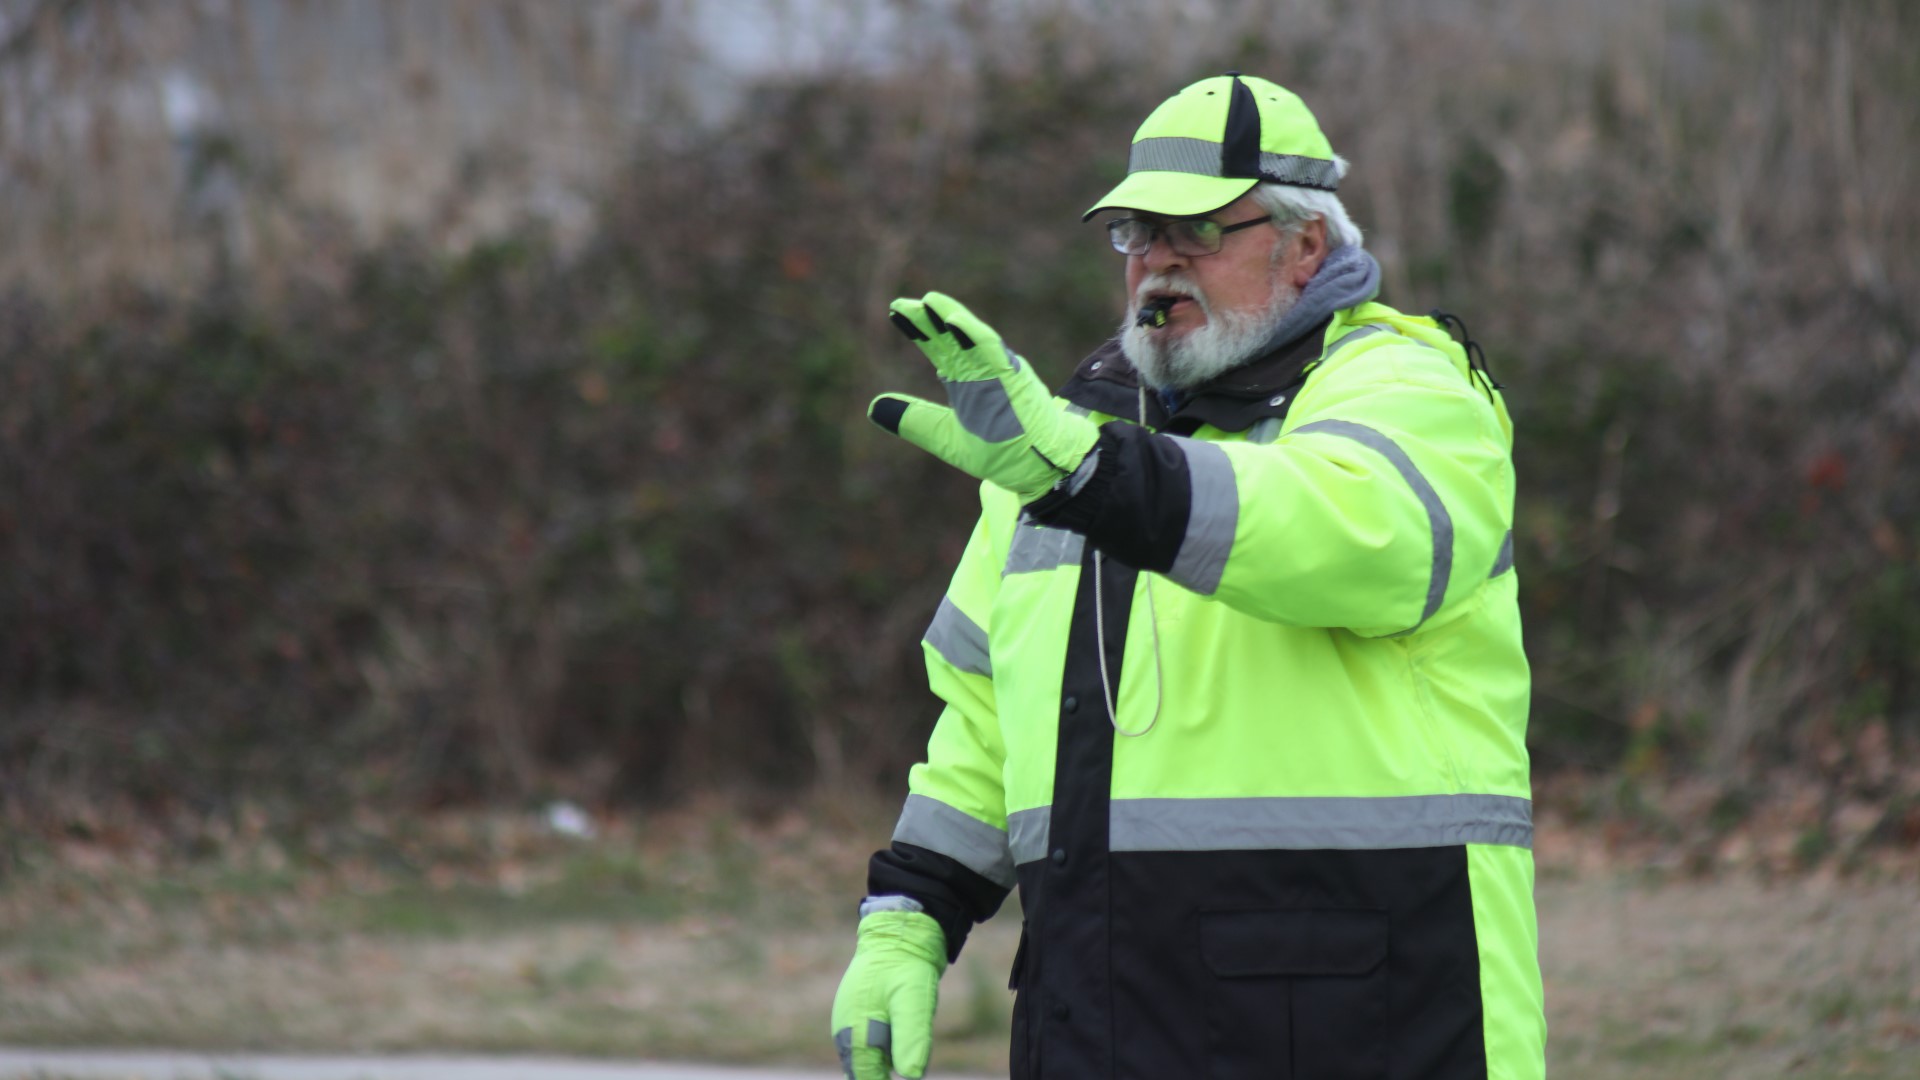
(1731, 978)
(726, 946)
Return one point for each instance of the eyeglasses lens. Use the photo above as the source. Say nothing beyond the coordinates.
(1194, 237)
(1130, 237)
(1186, 236)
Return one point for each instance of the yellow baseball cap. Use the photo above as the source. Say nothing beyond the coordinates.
(1210, 143)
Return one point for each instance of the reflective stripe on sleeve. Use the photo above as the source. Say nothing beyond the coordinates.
(1320, 822)
(1438, 520)
(959, 639)
(931, 824)
(1503, 562)
(1035, 549)
(1213, 513)
(984, 409)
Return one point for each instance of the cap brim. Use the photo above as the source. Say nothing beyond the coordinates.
(1174, 194)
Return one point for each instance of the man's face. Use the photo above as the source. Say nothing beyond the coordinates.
(1228, 303)
(1239, 278)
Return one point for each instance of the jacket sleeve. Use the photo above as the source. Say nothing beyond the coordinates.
(949, 849)
(1387, 499)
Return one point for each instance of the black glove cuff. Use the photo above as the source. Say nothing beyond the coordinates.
(1073, 503)
(1134, 507)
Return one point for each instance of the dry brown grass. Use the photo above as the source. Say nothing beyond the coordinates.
(710, 936)
(1731, 977)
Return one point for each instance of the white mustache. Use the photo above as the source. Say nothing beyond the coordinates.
(1166, 282)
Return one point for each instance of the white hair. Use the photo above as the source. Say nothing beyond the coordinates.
(1289, 204)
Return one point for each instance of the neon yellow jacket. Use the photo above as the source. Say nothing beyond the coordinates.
(1314, 767)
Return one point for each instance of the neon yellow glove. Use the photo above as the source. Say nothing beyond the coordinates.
(883, 1011)
(1003, 424)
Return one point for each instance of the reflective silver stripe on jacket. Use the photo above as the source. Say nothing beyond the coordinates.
(1320, 822)
(1035, 549)
(1212, 514)
(1352, 336)
(959, 639)
(1369, 330)
(1027, 833)
(1503, 562)
(1300, 823)
(1438, 520)
(1202, 157)
(974, 844)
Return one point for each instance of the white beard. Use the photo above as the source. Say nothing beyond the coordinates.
(1227, 340)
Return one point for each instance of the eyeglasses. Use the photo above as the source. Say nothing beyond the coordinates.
(1186, 236)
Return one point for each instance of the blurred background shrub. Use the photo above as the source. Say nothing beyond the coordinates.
(418, 404)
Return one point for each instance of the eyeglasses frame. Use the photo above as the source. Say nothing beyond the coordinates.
(1159, 231)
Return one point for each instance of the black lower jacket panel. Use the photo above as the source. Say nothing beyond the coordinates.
(1236, 965)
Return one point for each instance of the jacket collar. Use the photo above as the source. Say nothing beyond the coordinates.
(1235, 401)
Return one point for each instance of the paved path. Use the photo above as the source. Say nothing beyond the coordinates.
(19, 1063)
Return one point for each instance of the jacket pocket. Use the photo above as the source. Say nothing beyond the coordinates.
(1296, 994)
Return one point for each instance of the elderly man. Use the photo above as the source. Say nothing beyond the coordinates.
(1232, 668)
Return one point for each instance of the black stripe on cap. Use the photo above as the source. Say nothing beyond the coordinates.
(1240, 145)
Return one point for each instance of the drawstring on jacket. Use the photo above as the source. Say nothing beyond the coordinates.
(1476, 356)
(1100, 631)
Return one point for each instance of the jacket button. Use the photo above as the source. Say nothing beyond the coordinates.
(1060, 1011)
(1059, 856)
(1072, 703)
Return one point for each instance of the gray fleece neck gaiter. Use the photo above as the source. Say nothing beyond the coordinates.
(1348, 276)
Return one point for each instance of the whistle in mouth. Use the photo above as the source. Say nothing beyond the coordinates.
(1154, 312)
